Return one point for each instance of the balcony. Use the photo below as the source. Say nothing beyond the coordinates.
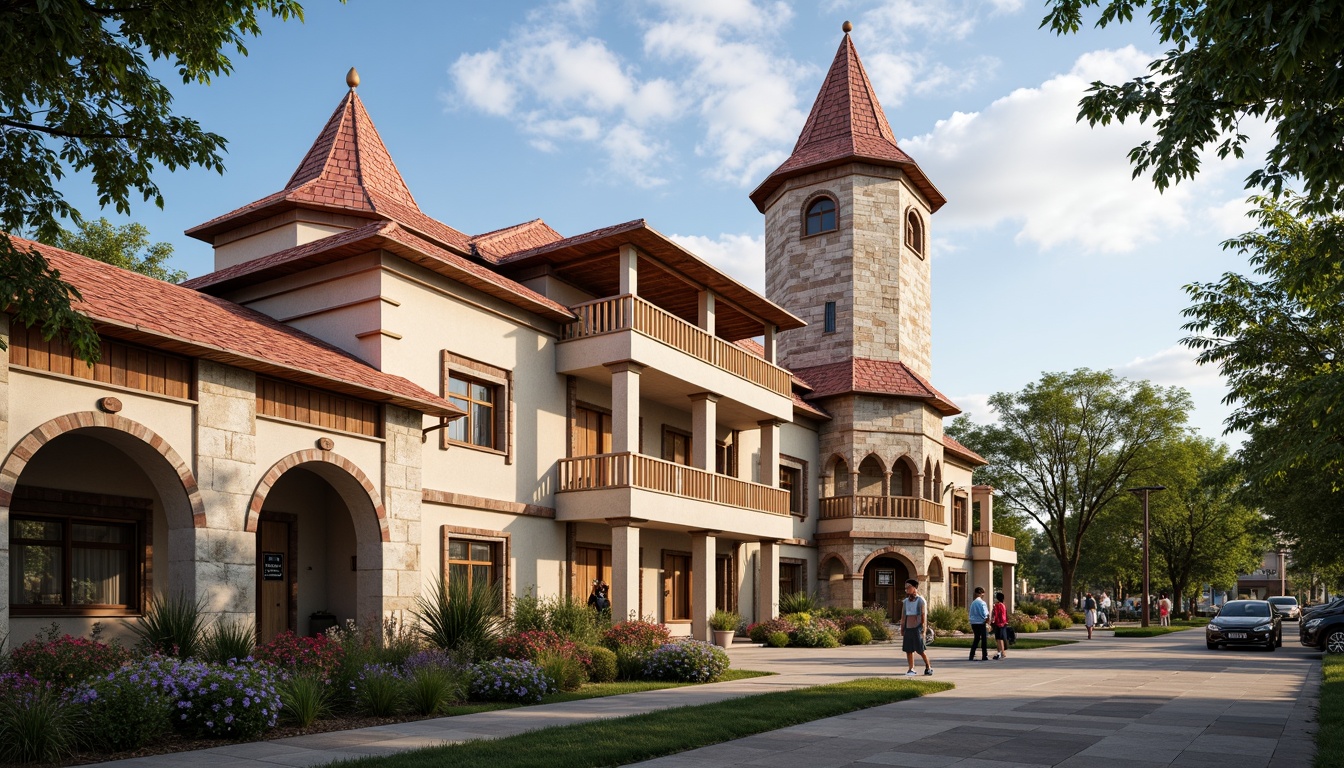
(612, 320)
(899, 507)
(995, 547)
(668, 495)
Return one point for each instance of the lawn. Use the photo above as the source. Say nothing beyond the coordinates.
(1330, 717)
(598, 690)
(1023, 643)
(1152, 631)
(625, 740)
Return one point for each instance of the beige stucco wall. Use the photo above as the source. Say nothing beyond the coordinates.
(536, 546)
(268, 241)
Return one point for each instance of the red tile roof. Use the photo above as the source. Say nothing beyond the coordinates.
(494, 246)
(349, 170)
(879, 377)
(799, 403)
(951, 444)
(136, 308)
(388, 236)
(846, 125)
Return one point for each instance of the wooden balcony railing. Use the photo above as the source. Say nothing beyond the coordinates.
(900, 507)
(996, 540)
(632, 470)
(622, 313)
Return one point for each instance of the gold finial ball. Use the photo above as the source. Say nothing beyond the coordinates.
(847, 27)
(352, 78)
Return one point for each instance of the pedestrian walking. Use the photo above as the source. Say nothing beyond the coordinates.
(1105, 609)
(999, 620)
(1089, 613)
(1164, 611)
(914, 623)
(979, 613)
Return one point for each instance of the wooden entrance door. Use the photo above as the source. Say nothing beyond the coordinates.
(676, 587)
(884, 585)
(274, 575)
(590, 563)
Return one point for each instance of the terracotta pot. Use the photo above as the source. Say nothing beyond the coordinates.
(723, 637)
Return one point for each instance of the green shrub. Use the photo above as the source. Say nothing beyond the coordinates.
(777, 639)
(950, 619)
(760, 630)
(1058, 623)
(431, 689)
(798, 619)
(304, 698)
(563, 669)
(630, 662)
(39, 725)
(1029, 628)
(689, 661)
(815, 635)
(601, 664)
(380, 690)
(172, 626)
(857, 635)
(130, 707)
(1077, 617)
(562, 615)
(229, 640)
(1031, 608)
(798, 602)
(873, 619)
(461, 618)
(724, 621)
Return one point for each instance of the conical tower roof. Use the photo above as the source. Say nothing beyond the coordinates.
(846, 125)
(347, 170)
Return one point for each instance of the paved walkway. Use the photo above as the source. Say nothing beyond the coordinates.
(1119, 703)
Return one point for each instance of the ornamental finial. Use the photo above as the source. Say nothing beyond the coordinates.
(352, 78)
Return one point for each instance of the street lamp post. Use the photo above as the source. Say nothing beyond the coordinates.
(1143, 494)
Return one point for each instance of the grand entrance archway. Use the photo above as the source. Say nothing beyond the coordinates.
(884, 584)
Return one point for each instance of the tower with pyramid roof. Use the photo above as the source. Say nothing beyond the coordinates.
(847, 249)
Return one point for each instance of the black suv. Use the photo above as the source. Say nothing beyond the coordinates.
(1323, 627)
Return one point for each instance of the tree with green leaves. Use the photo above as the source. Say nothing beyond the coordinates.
(1278, 341)
(77, 94)
(1228, 63)
(1065, 447)
(1114, 545)
(126, 246)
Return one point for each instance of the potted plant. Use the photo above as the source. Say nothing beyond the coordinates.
(724, 624)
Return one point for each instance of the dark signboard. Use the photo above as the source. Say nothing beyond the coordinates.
(886, 578)
(272, 566)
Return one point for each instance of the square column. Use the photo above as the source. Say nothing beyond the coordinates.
(624, 570)
(704, 415)
(769, 581)
(625, 406)
(627, 264)
(984, 496)
(1009, 586)
(769, 460)
(706, 313)
(702, 583)
(770, 343)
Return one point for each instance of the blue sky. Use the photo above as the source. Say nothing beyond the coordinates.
(586, 113)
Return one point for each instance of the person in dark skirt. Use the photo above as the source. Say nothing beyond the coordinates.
(914, 621)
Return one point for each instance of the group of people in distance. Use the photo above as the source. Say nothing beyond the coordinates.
(915, 627)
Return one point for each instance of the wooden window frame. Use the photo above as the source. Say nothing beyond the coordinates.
(501, 379)
(961, 515)
(690, 445)
(690, 587)
(501, 542)
(802, 467)
(49, 505)
(794, 563)
(820, 216)
(580, 405)
(916, 235)
(952, 575)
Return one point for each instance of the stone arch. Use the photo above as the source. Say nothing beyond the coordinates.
(899, 553)
(322, 459)
(903, 473)
(830, 558)
(935, 570)
(806, 209)
(130, 436)
(938, 481)
(872, 476)
(928, 478)
(838, 470)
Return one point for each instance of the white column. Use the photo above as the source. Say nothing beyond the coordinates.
(625, 406)
(769, 460)
(704, 414)
(707, 311)
(702, 583)
(769, 581)
(628, 267)
(1009, 585)
(624, 571)
(770, 343)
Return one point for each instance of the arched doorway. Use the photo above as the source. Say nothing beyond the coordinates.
(884, 584)
(871, 476)
(319, 546)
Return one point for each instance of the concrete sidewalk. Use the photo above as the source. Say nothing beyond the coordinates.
(1130, 703)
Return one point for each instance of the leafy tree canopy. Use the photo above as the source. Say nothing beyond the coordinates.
(1065, 447)
(126, 246)
(1227, 61)
(77, 94)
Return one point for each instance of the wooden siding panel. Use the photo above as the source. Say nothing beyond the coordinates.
(282, 400)
(121, 364)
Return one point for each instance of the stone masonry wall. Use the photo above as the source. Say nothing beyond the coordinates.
(402, 498)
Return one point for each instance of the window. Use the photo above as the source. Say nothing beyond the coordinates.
(725, 583)
(725, 456)
(476, 562)
(791, 577)
(960, 518)
(914, 232)
(592, 432)
(484, 393)
(820, 216)
(959, 589)
(676, 446)
(676, 587)
(72, 563)
(830, 317)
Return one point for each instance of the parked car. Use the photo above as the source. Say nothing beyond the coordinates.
(1287, 607)
(1323, 627)
(1245, 622)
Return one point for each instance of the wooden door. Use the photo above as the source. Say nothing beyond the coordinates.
(273, 579)
(590, 563)
(676, 447)
(592, 432)
(676, 587)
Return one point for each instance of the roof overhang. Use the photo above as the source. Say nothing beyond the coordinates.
(761, 195)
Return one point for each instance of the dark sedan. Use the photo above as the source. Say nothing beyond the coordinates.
(1245, 622)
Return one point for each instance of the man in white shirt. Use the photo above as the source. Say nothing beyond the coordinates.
(1105, 609)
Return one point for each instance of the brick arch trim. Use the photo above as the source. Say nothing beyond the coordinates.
(899, 552)
(833, 556)
(309, 456)
(31, 443)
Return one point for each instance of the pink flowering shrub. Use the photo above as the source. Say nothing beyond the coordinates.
(534, 644)
(642, 635)
(759, 631)
(66, 660)
(291, 653)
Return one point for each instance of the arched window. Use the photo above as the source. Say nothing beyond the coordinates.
(914, 232)
(820, 216)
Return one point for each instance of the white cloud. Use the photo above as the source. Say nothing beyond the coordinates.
(976, 406)
(742, 256)
(1173, 367)
(1230, 218)
(1025, 159)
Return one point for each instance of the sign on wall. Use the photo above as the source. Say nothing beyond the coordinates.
(272, 566)
(886, 578)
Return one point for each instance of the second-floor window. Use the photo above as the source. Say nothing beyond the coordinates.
(478, 399)
(961, 519)
(676, 446)
(791, 480)
(820, 216)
